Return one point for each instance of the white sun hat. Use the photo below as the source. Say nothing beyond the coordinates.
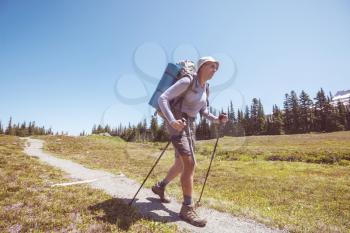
(206, 59)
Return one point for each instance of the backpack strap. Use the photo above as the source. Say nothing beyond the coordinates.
(181, 97)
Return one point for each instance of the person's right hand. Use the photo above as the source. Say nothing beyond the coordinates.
(178, 124)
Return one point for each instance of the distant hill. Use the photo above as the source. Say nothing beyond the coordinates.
(342, 96)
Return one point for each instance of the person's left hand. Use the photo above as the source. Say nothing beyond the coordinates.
(223, 118)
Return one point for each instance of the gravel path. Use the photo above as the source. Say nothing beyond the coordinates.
(121, 187)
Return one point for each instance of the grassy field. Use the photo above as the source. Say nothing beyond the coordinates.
(297, 182)
(28, 203)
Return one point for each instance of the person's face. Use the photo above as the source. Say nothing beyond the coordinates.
(208, 70)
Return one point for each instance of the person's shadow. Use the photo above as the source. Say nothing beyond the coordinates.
(117, 211)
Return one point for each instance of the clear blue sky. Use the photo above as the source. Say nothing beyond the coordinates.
(60, 60)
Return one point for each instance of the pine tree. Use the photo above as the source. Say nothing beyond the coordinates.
(332, 117)
(99, 129)
(49, 131)
(94, 130)
(9, 130)
(253, 122)
(239, 126)
(261, 123)
(1, 129)
(138, 129)
(231, 115)
(22, 131)
(295, 112)
(319, 109)
(34, 128)
(305, 104)
(203, 129)
(212, 130)
(107, 129)
(342, 119)
(154, 128)
(246, 122)
(30, 129)
(276, 123)
(287, 117)
(162, 132)
(229, 126)
(16, 129)
(325, 115)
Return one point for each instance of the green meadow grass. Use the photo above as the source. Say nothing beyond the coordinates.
(308, 194)
(28, 203)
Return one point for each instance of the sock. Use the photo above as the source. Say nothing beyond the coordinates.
(162, 184)
(187, 200)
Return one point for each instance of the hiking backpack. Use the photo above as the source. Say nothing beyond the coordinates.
(171, 75)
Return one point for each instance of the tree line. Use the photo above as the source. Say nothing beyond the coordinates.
(24, 129)
(300, 114)
(139, 132)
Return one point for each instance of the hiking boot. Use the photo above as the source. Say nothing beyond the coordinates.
(188, 214)
(160, 191)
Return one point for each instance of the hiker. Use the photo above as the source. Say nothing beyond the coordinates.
(181, 127)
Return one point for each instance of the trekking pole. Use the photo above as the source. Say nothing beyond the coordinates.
(149, 173)
(211, 160)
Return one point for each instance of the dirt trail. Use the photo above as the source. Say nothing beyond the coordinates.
(147, 203)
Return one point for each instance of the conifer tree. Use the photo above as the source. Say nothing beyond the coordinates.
(261, 123)
(138, 136)
(107, 129)
(203, 129)
(341, 115)
(331, 114)
(99, 129)
(295, 112)
(276, 123)
(246, 122)
(93, 131)
(143, 130)
(9, 130)
(34, 128)
(319, 109)
(253, 122)
(162, 132)
(30, 129)
(287, 117)
(212, 130)
(22, 131)
(231, 115)
(154, 128)
(305, 112)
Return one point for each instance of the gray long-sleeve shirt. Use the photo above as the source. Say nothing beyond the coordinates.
(195, 100)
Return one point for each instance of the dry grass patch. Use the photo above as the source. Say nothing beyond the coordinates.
(29, 203)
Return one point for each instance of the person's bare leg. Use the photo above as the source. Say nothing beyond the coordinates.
(174, 171)
(187, 177)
